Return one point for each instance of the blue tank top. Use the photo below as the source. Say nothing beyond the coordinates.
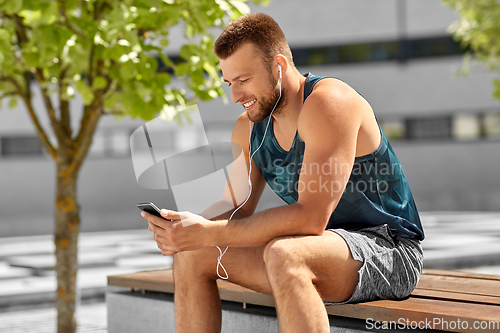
(377, 191)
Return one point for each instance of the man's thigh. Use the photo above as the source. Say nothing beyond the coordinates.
(243, 266)
(327, 258)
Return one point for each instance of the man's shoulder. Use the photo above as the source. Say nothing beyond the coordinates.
(334, 90)
(331, 97)
(241, 130)
(332, 104)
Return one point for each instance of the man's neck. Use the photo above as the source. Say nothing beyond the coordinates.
(293, 82)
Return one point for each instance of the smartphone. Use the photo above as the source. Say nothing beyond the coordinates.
(150, 208)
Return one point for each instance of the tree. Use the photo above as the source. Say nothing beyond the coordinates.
(479, 30)
(107, 51)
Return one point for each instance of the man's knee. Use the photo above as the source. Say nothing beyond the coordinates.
(191, 262)
(283, 260)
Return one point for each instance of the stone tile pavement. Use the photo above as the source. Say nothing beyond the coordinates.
(27, 281)
(454, 240)
(91, 318)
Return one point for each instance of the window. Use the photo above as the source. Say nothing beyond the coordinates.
(439, 127)
(434, 47)
(394, 129)
(20, 146)
(377, 51)
(491, 125)
(466, 127)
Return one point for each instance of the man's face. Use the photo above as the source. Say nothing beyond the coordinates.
(251, 83)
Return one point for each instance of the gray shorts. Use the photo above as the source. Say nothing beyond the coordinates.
(391, 264)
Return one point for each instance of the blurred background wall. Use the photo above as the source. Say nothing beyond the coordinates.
(396, 53)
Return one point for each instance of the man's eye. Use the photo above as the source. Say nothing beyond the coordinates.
(243, 81)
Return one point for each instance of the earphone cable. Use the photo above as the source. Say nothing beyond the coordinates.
(221, 254)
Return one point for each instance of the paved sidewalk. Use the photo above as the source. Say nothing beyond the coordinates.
(27, 278)
(468, 241)
(90, 318)
(462, 240)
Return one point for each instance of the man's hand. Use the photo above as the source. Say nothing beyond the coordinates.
(182, 231)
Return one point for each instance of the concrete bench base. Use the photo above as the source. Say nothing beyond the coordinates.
(133, 311)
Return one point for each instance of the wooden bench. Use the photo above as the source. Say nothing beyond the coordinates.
(443, 300)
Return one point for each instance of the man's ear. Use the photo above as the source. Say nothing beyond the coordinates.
(281, 60)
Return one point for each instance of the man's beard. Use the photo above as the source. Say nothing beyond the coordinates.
(266, 104)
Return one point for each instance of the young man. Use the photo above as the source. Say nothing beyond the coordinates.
(350, 231)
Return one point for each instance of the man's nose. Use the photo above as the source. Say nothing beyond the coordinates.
(235, 94)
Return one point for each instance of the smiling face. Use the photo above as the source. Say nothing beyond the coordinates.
(252, 85)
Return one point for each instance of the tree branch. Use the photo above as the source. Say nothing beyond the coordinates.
(92, 114)
(27, 100)
(20, 30)
(62, 11)
(41, 133)
(91, 64)
(64, 105)
(8, 94)
(50, 109)
(15, 83)
(27, 81)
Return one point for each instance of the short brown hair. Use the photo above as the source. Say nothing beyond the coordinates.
(259, 29)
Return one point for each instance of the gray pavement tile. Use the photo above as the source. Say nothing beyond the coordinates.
(48, 261)
(107, 238)
(434, 241)
(463, 256)
(28, 285)
(42, 321)
(25, 245)
(493, 270)
(9, 272)
(86, 279)
(150, 261)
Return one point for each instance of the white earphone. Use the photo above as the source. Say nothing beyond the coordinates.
(219, 264)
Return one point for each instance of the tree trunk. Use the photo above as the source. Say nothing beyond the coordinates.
(67, 227)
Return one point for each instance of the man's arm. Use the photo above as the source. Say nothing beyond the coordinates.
(329, 123)
(237, 188)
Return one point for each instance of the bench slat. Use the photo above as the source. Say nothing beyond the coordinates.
(420, 310)
(452, 296)
(463, 285)
(157, 280)
(442, 272)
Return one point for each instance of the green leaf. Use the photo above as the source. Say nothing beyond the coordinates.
(99, 83)
(31, 59)
(147, 68)
(109, 103)
(13, 102)
(13, 6)
(240, 6)
(49, 15)
(496, 93)
(4, 35)
(210, 69)
(185, 52)
(182, 69)
(127, 70)
(223, 5)
(85, 91)
(162, 79)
